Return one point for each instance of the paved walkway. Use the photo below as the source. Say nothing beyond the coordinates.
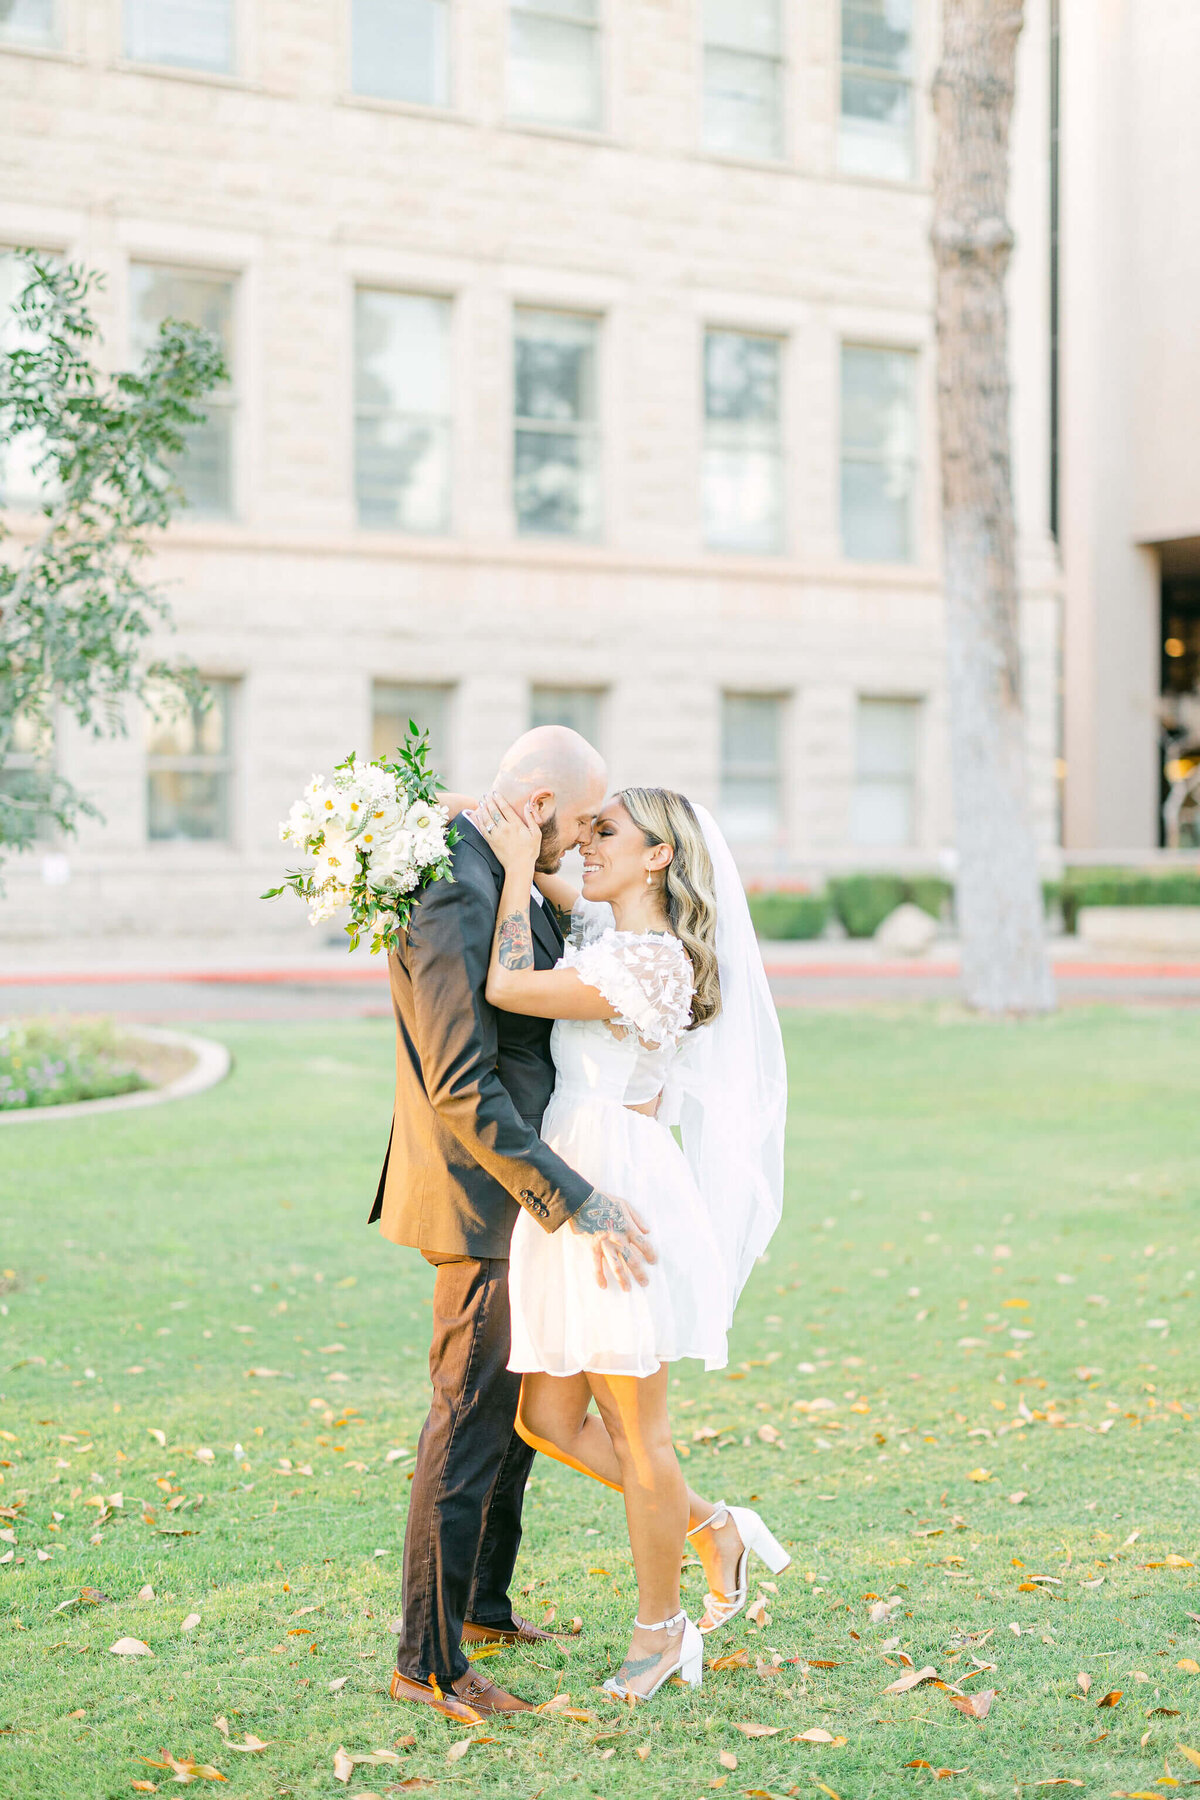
(206, 982)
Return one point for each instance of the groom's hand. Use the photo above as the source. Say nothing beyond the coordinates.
(620, 1245)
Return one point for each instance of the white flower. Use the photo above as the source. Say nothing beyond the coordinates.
(425, 816)
(299, 823)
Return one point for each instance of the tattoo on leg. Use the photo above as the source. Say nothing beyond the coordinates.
(599, 1213)
(516, 942)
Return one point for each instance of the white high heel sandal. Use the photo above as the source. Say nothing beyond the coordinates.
(755, 1537)
(689, 1665)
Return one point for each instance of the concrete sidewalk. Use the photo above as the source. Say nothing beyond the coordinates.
(178, 980)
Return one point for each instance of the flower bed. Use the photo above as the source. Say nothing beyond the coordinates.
(53, 1062)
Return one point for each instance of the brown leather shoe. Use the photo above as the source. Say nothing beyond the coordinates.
(522, 1632)
(466, 1701)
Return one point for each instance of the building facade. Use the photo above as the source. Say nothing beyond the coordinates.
(581, 368)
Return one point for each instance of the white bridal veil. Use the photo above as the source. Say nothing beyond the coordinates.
(727, 1089)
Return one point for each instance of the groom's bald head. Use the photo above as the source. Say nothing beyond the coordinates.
(562, 779)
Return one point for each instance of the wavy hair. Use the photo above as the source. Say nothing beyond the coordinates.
(664, 817)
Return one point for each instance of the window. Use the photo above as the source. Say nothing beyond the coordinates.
(884, 809)
(578, 707)
(27, 774)
(205, 470)
(876, 136)
(189, 768)
(556, 488)
(554, 63)
(402, 410)
(184, 34)
(878, 453)
(751, 767)
(394, 703)
(20, 484)
(743, 78)
(29, 22)
(743, 460)
(399, 50)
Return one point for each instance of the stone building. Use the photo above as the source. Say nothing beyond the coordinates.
(581, 368)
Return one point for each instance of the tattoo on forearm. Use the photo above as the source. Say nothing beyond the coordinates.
(515, 948)
(599, 1213)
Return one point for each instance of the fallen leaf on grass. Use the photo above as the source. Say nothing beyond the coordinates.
(130, 1646)
(160, 1437)
(1016, 1499)
(1111, 1699)
(191, 1622)
(824, 1789)
(343, 1765)
(749, 1729)
(1189, 1665)
(144, 1787)
(185, 1769)
(561, 1704)
(458, 1750)
(975, 1706)
(758, 1614)
(336, 1686)
(1084, 1681)
(1170, 1562)
(727, 1759)
(90, 1596)
(815, 1735)
(912, 1678)
(979, 1474)
(1057, 1781)
(736, 1659)
(1193, 1756)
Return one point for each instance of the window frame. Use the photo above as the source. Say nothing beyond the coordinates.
(233, 71)
(914, 352)
(591, 430)
(912, 783)
(449, 422)
(231, 401)
(446, 689)
(225, 764)
(596, 692)
(782, 342)
(781, 63)
(598, 27)
(869, 72)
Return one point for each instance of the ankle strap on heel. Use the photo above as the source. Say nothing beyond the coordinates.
(718, 1516)
(662, 1624)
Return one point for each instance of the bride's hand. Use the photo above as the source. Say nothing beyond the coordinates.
(513, 836)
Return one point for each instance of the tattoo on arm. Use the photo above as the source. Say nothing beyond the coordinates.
(515, 942)
(599, 1213)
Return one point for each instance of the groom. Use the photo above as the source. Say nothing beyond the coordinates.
(471, 1087)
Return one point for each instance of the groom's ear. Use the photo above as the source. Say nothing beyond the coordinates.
(540, 805)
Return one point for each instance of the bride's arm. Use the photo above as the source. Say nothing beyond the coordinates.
(513, 983)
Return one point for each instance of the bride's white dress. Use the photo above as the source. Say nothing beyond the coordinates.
(562, 1321)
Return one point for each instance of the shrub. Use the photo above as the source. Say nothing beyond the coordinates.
(781, 915)
(1121, 887)
(863, 902)
(50, 1062)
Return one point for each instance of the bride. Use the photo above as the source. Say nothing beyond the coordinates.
(663, 1018)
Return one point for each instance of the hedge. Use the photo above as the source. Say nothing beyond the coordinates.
(781, 915)
(1121, 887)
(863, 902)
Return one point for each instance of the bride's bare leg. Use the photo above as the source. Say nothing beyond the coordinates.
(634, 1411)
(553, 1416)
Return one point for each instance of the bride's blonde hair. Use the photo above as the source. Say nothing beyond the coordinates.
(664, 817)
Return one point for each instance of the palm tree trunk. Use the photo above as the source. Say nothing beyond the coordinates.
(1004, 964)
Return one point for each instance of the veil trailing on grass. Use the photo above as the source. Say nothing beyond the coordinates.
(727, 1090)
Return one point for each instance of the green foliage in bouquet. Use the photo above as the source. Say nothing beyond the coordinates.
(375, 835)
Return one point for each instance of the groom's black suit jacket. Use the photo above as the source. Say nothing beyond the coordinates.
(472, 1083)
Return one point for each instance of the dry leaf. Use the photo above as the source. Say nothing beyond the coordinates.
(758, 1614)
(750, 1730)
(130, 1646)
(1189, 1665)
(825, 1790)
(1016, 1499)
(1084, 1681)
(736, 1659)
(343, 1766)
(642, 1752)
(160, 1437)
(1193, 1756)
(252, 1744)
(727, 1759)
(979, 1474)
(336, 1686)
(191, 1622)
(975, 1706)
(912, 1678)
(815, 1735)
(458, 1750)
(1058, 1781)
(1111, 1698)
(144, 1787)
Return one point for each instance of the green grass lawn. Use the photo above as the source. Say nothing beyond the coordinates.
(983, 1287)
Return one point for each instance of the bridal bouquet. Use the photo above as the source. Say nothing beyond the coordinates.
(371, 836)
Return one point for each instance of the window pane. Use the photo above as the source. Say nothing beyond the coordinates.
(188, 767)
(884, 805)
(751, 730)
(187, 804)
(400, 50)
(744, 25)
(876, 129)
(191, 34)
(741, 377)
(742, 113)
(878, 453)
(178, 729)
(205, 471)
(20, 484)
(587, 10)
(578, 707)
(394, 703)
(877, 34)
(876, 512)
(742, 497)
(556, 485)
(28, 22)
(553, 71)
(402, 426)
(555, 370)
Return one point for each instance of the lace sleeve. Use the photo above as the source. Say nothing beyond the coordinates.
(590, 919)
(647, 978)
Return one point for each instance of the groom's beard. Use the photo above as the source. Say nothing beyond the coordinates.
(553, 849)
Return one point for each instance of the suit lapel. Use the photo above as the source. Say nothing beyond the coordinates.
(542, 923)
